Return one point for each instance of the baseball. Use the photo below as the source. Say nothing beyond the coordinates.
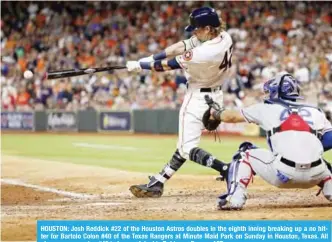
(28, 74)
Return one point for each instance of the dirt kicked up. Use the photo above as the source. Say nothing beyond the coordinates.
(57, 190)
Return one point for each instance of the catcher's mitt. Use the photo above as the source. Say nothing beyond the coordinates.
(212, 124)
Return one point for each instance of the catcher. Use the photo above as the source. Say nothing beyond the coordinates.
(297, 135)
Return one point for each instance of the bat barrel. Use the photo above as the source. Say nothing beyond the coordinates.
(79, 72)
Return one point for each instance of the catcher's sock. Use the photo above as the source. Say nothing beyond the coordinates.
(169, 169)
(204, 158)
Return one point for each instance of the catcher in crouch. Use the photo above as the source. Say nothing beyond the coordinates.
(297, 135)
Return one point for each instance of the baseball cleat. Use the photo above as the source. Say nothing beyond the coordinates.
(226, 204)
(142, 191)
(220, 178)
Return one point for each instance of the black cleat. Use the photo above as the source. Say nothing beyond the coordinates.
(145, 191)
(220, 178)
(154, 189)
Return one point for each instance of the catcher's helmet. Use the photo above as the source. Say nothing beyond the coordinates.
(202, 17)
(283, 86)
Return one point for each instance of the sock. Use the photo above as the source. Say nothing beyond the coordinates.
(169, 169)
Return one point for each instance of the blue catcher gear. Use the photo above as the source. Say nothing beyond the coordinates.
(283, 86)
(232, 172)
(327, 141)
(202, 17)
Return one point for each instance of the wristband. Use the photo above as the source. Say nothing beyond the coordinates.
(160, 56)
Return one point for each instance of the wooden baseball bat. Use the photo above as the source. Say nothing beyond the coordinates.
(79, 72)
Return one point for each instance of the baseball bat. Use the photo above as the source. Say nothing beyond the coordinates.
(79, 72)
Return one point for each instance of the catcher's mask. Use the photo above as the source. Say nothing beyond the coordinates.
(283, 86)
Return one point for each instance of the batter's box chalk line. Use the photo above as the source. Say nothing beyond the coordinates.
(49, 189)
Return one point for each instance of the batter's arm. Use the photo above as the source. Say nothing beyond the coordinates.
(171, 51)
(174, 50)
(161, 65)
(159, 62)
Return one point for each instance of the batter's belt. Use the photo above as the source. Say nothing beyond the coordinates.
(208, 89)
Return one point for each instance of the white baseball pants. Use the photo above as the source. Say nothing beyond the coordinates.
(275, 172)
(190, 119)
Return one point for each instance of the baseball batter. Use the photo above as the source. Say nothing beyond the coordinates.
(297, 134)
(205, 59)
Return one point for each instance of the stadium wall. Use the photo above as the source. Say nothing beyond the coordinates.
(138, 121)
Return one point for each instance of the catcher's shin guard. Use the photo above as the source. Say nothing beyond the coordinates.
(236, 196)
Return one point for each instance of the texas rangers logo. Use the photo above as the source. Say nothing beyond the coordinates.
(188, 55)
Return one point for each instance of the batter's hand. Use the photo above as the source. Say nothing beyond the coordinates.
(146, 59)
(133, 66)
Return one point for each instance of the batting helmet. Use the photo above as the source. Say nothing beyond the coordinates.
(283, 86)
(202, 17)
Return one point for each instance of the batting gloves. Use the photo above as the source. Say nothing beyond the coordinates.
(133, 66)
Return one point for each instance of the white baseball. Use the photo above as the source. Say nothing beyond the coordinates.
(28, 74)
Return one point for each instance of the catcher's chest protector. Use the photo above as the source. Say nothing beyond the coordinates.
(294, 122)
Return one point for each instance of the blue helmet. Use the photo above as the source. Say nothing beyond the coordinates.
(202, 17)
(283, 86)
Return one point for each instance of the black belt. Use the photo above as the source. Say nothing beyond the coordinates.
(293, 164)
(208, 89)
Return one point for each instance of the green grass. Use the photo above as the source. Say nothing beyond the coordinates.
(148, 154)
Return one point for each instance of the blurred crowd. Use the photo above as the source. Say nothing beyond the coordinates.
(269, 37)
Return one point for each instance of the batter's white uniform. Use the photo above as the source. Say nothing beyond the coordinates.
(205, 66)
(302, 148)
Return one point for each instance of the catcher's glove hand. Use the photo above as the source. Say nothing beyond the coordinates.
(214, 110)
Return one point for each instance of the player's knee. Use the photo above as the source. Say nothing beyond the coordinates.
(247, 146)
(186, 150)
(243, 147)
(184, 153)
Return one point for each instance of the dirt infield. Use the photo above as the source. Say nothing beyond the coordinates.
(19, 195)
(186, 197)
